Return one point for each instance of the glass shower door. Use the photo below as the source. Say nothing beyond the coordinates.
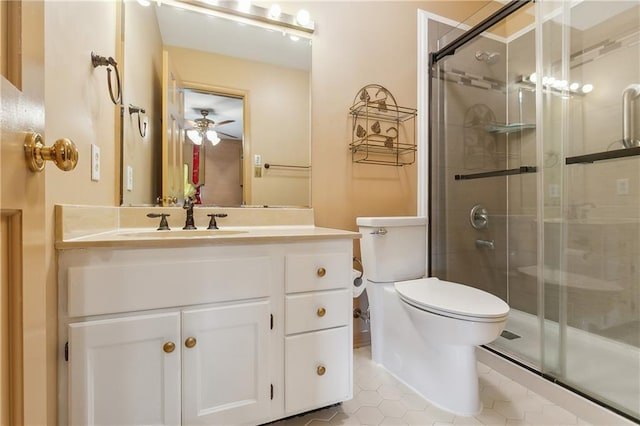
(591, 58)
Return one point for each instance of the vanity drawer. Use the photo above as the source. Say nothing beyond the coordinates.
(98, 289)
(317, 310)
(318, 271)
(318, 369)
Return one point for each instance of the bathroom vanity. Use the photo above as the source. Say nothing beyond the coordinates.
(241, 327)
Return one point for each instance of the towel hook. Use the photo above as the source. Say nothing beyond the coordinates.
(97, 61)
(138, 110)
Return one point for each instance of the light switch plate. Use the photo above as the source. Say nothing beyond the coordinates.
(622, 186)
(129, 178)
(95, 162)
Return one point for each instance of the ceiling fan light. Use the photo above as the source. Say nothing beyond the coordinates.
(213, 137)
(195, 136)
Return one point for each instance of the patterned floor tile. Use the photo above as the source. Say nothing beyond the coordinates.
(380, 399)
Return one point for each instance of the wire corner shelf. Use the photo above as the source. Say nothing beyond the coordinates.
(382, 132)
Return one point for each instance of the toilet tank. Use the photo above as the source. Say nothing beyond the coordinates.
(393, 248)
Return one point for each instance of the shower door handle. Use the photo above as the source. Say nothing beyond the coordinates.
(489, 244)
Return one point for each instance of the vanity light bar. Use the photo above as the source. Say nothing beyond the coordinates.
(248, 14)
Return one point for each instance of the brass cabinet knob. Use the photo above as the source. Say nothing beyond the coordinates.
(63, 153)
(190, 342)
(321, 370)
(168, 347)
(321, 272)
(321, 312)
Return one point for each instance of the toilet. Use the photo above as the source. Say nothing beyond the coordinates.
(424, 331)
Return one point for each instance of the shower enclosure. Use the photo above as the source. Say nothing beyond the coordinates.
(535, 184)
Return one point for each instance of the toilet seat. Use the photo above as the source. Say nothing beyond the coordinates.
(452, 300)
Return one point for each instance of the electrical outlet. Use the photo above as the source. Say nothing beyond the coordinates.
(95, 162)
(554, 190)
(129, 178)
(257, 160)
(622, 186)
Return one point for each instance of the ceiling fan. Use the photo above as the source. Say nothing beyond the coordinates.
(201, 129)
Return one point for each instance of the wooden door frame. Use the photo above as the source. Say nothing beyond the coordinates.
(11, 252)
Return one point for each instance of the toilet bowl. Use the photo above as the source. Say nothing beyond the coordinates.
(425, 330)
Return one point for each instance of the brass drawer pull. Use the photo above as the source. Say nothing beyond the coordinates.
(321, 370)
(190, 342)
(321, 272)
(321, 312)
(168, 347)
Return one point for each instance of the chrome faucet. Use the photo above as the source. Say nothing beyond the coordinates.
(629, 98)
(188, 206)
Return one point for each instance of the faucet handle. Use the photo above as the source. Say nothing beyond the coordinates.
(164, 226)
(212, 222)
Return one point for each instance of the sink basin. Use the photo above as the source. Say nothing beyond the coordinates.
(179, 233)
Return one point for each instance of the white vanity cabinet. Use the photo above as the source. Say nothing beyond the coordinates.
(232, 334)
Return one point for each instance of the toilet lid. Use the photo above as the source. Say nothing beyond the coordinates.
(453, 300)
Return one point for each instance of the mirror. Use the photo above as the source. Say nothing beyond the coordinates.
(216, 58)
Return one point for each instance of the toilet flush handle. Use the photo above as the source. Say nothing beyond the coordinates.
(380, 231)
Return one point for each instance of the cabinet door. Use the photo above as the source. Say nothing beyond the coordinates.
(225, 351)
(122, 371)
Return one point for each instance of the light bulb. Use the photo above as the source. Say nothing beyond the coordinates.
(294, 37)
(560, 84)
(195, 136)
(144, 3)
(244, 6)
(275, 11)
(574, 86)
(303, 17)
(533, 77)
(587, 88)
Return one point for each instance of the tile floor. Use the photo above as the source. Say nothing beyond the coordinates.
(379, 399)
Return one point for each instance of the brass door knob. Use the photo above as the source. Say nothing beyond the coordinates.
(168, 347)
(321, 312)
(321, 370)
(321, 272)
(190, 342)
(63, 153)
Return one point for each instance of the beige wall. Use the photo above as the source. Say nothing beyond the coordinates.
(222, 171)
(142, 87)
(278, 101)
(358, 43)
(77, 106)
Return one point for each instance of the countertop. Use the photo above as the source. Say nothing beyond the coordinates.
(145, 237)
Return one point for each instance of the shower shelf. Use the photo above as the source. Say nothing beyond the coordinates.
(379, 127)
(509, 128)
(605, 155)
(520, 170)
